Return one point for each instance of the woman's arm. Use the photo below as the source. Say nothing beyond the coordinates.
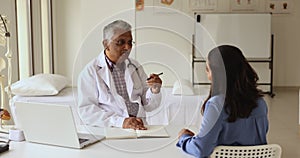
(202, 144)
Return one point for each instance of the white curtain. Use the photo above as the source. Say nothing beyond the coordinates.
(34, 37)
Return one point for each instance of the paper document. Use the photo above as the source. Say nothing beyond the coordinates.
(122, 133)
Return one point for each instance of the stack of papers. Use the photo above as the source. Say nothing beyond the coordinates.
(122, 133)
(4, 141)
(3, 136)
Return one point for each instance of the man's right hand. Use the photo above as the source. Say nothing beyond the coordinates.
(134, 123)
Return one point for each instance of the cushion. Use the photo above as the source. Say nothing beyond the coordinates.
(40, 85)
(182, 87)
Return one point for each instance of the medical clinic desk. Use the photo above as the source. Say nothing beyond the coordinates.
(117, 148)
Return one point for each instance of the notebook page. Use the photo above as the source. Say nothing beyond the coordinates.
(153, 132)
(119, 133)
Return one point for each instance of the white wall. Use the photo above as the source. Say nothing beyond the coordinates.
(163, 43)
(67, 34)
(78, 26)
(75, 22)
(287, 47)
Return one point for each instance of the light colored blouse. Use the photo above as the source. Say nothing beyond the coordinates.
(215, 130)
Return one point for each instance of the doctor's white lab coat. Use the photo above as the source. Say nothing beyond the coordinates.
(98, 101)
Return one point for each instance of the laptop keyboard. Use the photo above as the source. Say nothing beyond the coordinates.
(81, 140)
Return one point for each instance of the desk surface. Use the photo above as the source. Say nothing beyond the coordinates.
(141, 147)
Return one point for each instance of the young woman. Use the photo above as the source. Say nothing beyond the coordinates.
(235, 112)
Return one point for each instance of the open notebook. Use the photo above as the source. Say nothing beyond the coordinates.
(122, 133)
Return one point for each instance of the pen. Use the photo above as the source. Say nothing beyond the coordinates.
(156, 74)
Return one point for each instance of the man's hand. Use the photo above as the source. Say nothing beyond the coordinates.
(4, 114)
(185, 131)
(154, 82)
(134, 123)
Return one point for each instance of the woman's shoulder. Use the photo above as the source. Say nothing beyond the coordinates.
(216, 101)
(262, 108)
(261, 103)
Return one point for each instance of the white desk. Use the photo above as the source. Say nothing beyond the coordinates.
(133, 148)
(174, 109)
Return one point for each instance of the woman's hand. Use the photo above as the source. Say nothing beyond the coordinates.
(185, 131)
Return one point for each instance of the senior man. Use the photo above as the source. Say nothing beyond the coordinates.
(114, 90)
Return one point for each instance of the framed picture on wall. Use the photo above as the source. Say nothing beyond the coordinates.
(243, 5)
(139, 5)
(167, 6)
(279, 6)
(203, 5)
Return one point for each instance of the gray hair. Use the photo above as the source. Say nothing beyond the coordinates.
(110, 29)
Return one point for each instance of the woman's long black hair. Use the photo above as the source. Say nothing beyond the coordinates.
(241, 92)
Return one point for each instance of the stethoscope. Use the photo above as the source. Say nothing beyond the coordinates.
(136, 71)
(131, 64)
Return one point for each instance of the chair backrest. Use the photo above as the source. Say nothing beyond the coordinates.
(258, 151)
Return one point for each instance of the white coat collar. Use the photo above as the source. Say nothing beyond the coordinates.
(104, 71)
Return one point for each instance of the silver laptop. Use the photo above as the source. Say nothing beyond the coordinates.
(51, 124)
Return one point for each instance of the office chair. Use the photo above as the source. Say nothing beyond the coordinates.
(258, 151)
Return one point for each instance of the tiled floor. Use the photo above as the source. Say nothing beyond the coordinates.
(283, 117)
